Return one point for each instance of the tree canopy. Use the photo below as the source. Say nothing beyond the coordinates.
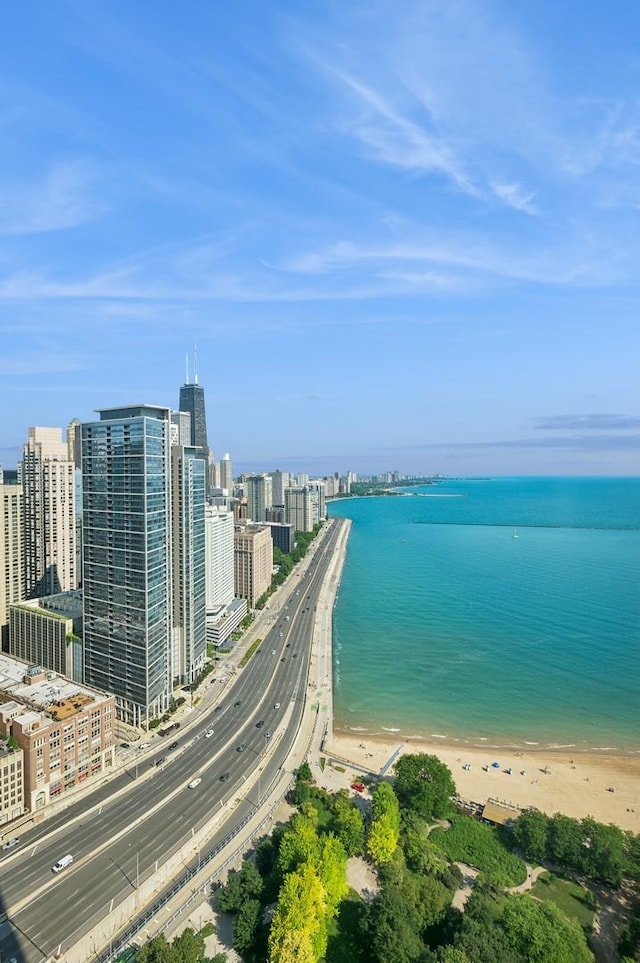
(424, 785)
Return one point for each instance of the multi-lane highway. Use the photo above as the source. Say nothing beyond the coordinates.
(121, 835)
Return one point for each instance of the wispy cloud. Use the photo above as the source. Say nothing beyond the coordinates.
(65, 197)
(598, 422)
(514, 196)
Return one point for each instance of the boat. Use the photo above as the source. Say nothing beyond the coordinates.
(515, 534)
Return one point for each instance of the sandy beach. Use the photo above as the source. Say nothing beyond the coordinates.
(576, 784)
(551, 781)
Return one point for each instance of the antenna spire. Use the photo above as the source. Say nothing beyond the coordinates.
(186, 380)
(195, 363)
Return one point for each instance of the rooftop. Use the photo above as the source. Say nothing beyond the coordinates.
(55, 694)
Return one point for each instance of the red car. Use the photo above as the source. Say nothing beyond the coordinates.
(358, 786)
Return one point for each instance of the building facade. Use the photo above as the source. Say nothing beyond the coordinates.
(253, 561)
(12, 584)
(65, 731)
(298, 510)
(47, 632)
(49, 531)
(188, 550)
(259, 497)
(225, 474)
(127, 568)
(11, 782)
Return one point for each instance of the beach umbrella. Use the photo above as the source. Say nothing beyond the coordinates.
(496, 765)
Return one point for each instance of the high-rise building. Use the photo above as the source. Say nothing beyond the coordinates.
(219, 531)
(318, 506)
(74, 442)
(192, 400)
(46, 474)
(253, 561)
(225, 473)
(12, 587)
(127, 564)
(259, 497)
(181, 428)
(188, 485)
(298, 510)
(280, 481)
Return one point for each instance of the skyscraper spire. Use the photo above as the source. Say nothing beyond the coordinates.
(195, 363)
(186, 380)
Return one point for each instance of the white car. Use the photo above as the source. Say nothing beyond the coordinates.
(208, 733)
(11, 843)
(195, 783)
(277, 705)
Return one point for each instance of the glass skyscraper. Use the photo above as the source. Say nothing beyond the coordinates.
(127, 558)
(192, 400)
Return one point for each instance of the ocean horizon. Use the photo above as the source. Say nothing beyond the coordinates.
(492, 612)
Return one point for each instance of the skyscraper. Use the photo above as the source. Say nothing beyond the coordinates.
(127, 571)
(225, 474)
(12, 588)
(188, 485)
(46, 474)
(192, 400)
(259, 497)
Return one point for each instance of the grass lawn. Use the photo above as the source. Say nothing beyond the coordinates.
(568, 896)
(480, 845)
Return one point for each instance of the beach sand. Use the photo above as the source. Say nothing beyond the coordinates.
(576, 785)
(554, 780)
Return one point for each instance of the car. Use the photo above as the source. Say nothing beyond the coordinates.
(238, 703)
(195, 783)
(276, 705)
(268, 734)
(358, 786)
(241, 747)
(224, 777)
(288, 645)
(125, 745)
(145, 745)
(260, 724)
(10, 843)
(286, 618)
(273, 651)
(281, 635)
(208, 733)
(295, 655)
(62, 863)
(282, 660)
(159, 761)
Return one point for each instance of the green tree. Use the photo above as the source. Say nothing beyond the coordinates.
(530, 834)
(348, 823)
(245, 926)
(382, 842)
(541, 933)
(566, 842)
(384, 831)
(156, 950)
(604, 846)
(299, 844)
(424, 785)
(241, 885)
(298, 931)
(394, 928)
(332, 870)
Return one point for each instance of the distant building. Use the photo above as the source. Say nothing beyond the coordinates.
(225, 474)
(298, 510)
(276, 514)
(280, 481)
(253, 561)
(64, 730)
(317, 490)
(259, 497)
(47, 632)
(48, 489)
(219, 540)
(12, 585)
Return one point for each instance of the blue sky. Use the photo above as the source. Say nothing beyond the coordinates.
(403, 235)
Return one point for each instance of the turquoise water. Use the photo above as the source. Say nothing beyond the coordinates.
(447, 626)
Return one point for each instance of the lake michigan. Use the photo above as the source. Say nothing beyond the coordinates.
(493, 611)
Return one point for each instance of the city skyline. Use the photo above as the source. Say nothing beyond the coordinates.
(401, 238)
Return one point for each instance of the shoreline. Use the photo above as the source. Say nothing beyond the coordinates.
(578, 782)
